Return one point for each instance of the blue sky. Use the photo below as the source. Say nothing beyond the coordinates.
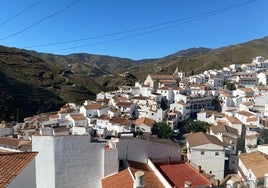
(135, 29)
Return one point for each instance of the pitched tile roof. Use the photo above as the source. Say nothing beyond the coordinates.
(200, 138)
(121, 179)
(12, 142)
(245, 113)
(78, 117)
(12, 164)
(60, 129)
(124, 104)
(93, 106)
(144, 120)
(177, 174)
(256, 161)
(150, 179)
(233, 120)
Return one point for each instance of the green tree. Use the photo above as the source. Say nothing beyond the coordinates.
(164, 130)
(195, 126)
(230, 86)
(263, 136)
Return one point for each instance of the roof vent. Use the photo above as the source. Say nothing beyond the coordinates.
(139, 179)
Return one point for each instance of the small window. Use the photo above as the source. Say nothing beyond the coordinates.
(202, 153)
(216, 153)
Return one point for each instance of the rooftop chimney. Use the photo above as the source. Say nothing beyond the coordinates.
(139, 179)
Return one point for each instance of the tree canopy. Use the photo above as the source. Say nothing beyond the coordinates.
(263, 136)
(230, 86)
(195, 126)
(164, 130)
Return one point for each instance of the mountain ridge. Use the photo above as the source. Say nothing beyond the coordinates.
(57, 79)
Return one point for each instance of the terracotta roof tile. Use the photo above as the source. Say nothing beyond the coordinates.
(233, 120)
(177, 174)
(12, 142)
(145, 121)
(121, 179)
(124, 104)
(60, 129)
(150, 179)
(78, 117)
(256, 161)
(12, 164)
(94, 106)
(252, 119)
(245, 113)
(200, 138)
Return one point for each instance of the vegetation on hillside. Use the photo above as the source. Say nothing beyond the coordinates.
(41, 82)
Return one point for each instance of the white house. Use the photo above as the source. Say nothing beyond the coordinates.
(126, 108)
(252, 167)
(262, 78)
(202, 149)
(78, 120)
(93, 110)
(183, 108)
(145, 124)
(235, 123)
(166, 92)
(247, 118)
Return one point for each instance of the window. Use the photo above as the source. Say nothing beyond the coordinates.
(216, 153)
(202, 153)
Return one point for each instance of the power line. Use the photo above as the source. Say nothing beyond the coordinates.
(18, 14)
(38, 22)
(181, 22)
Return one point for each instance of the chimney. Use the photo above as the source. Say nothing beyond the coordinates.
(187, 184)
(139, 180)
(199, 169)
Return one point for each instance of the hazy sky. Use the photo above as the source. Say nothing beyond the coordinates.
(135, 29)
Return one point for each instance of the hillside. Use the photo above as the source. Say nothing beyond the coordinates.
(32, 82)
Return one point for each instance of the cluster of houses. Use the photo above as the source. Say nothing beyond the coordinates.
(109, 142)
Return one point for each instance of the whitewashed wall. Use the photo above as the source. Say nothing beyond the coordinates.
(44, 161)
(68, 161)
(140, 150)
(209, 161)
(111, 163)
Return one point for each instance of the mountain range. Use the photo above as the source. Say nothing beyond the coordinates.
(33, 82)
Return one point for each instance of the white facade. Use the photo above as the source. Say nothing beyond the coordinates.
(140, 150)
(262, 78)
(68, 161)
(203, 155)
